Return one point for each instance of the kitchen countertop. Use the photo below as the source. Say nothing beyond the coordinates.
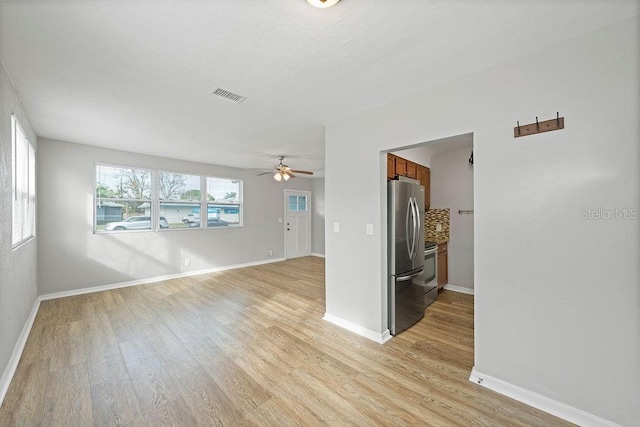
(439, 241)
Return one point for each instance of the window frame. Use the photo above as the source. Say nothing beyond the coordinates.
(156, 201)
(240, 202)
(160, 201)
(27, 193)
(154, 223)
(297, 204)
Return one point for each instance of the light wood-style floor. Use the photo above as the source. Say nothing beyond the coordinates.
(246, 347)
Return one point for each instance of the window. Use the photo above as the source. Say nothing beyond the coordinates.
(180, 199)
(126, 199)
(123, 199)
(297, 203)
(23, 188)
(223, 202)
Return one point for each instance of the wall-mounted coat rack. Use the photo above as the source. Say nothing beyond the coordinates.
(539, 127)
(468, 211)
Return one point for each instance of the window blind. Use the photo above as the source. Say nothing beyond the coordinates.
(23, 185)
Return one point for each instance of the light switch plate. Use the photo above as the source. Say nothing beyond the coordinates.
(336, 227)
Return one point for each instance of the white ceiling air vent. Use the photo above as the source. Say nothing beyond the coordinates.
(229, 95)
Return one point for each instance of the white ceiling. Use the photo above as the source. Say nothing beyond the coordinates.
(137, 75)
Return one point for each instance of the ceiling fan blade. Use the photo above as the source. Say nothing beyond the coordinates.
(265, 173)
(302, 172)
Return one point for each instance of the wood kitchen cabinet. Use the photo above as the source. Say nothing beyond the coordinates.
(403, 167)
(412, 170)
(424, 176)
(443, 265)
(426, 182)
(391, 166)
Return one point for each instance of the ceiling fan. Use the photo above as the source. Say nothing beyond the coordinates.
(283, 172)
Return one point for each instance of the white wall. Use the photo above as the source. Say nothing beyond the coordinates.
(557, 297)
(421, 154)
(317, 220)
(18, 281)
(452, 187)
(72, 257)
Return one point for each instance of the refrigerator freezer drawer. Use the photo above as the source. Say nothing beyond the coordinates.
(406, 301)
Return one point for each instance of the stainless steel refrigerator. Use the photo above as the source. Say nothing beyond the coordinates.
(405, 199)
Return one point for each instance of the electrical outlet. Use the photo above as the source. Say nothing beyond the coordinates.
(369, 229)
(438, 227)
(187, 262)
(336, 227)
(270, 252)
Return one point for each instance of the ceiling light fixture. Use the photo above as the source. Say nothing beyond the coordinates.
(279, 176)
(322, 4)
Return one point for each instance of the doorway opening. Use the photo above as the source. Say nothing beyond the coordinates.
(449, 203)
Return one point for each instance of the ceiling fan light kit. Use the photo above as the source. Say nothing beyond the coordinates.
(279, 176)
(322, 4)
(283, 172)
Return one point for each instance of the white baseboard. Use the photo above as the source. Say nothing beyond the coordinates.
(153, 279)
(550, 406)
(318, 255)
(386, 336)
(380, 338)
(460, 289)
(10, 370)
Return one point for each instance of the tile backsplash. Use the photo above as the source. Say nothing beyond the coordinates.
(433, 217)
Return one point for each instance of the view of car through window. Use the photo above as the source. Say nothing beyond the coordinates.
(127, 198)
(213, 218)
(135, 223)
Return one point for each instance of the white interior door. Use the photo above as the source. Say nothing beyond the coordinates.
(297, 223)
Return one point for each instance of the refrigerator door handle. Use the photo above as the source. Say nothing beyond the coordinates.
(414, 214)
(419, 245)
(409, 238)
(413, 228)
(409, 276)
(415, 204)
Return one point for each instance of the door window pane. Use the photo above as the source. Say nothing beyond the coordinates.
(297, 203)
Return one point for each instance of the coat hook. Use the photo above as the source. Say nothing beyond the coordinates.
(544, 126)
